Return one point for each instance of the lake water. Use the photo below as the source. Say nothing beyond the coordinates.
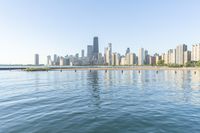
(99, 102)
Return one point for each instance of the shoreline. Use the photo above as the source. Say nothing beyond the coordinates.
(128, 68)
(51, 68)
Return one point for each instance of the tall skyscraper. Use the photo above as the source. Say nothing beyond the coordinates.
(141, 57)
(89, 51)
(180, 49)
(36, 61)
(95, 48)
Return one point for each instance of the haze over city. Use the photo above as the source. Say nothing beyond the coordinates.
(66, 27)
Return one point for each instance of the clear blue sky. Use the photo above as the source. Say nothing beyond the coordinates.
(67, 26)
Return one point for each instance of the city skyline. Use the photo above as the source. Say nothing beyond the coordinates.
(65, 27)
(181, 55)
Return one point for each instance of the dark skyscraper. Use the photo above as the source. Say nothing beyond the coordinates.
(95, 47)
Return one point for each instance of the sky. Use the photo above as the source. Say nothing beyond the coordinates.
(64, 27)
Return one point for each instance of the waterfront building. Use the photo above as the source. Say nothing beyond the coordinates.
(55, 59)
(152, 60)
(122, 63)
(146, 55)
(195, 55)
(166, 58)
(162, 56)
(127, 59)
(187, 56)
(49, 61)
(172, 56)
(180, 49)
(36, 60)
(108, 54)
(82, 53)
(100, 59)
(158, 57)
(62, 61)
(114, 59)
(141, 57)
(89, 51)
(118, 59)
(132, 59)
(95, 48)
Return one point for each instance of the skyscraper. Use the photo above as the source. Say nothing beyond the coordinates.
(180, 49)
(55, 59)
(132, 59)
(141, 56)
(146, 56)
(187, 56)
(108, 54)
(36, 59)
(49, 62)
(172, 56)
(89, 51)
(117, 59)
(114, 58)
(196, 52)
(82, 53)
(95, 47)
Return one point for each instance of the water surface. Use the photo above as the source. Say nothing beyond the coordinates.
(99, 102)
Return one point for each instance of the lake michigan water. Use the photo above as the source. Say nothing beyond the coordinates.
(100, 102)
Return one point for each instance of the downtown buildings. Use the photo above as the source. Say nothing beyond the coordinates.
(177, 56)
(36, 60)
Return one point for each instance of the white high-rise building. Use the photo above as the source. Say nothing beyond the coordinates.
(195, 55)
(158, 57)
(172, 56)
(141, 57)
(36, 60)
(108, 54)
(123, 61)
(166, 58)
(180, 49)
(63, 61)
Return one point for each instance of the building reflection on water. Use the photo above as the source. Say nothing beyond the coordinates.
(179, 85)
(93, 83)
